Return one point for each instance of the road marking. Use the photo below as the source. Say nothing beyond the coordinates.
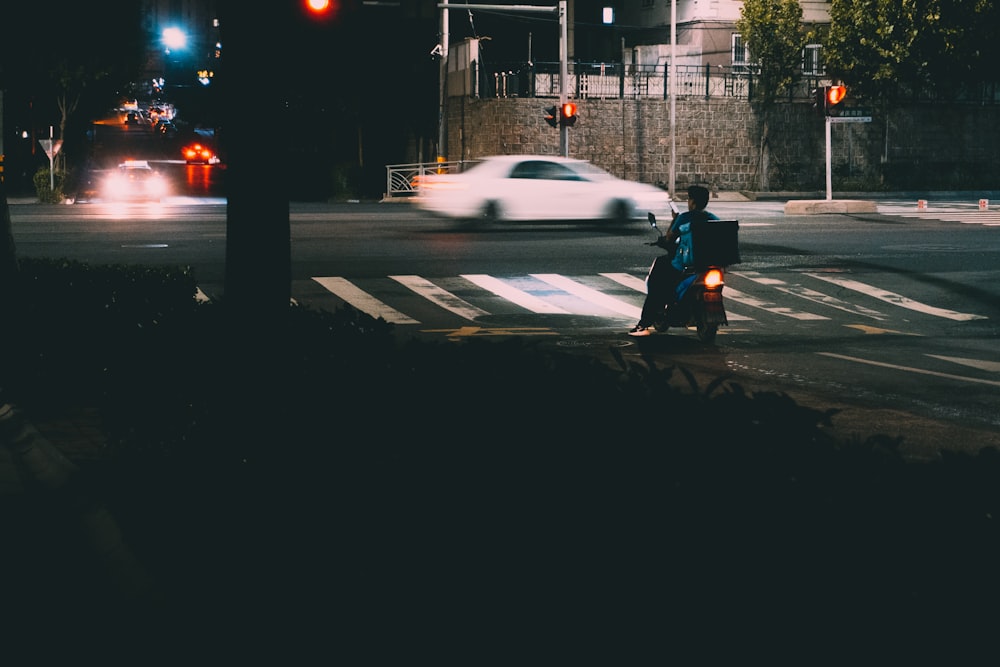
(810, 295)
(591, 295)
(512, 294)
(748, 300)
(981, 364)
(363, 301)
(639, 285)
(878, 331)
(909, 369)
(896, 299)
(493, 331)
(441, 297)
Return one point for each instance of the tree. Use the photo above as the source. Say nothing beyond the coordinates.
(906, 48)
(59, 63)
(775, 37)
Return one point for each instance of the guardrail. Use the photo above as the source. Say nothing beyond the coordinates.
(401, 179)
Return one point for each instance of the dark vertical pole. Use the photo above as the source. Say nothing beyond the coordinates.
(258, 247)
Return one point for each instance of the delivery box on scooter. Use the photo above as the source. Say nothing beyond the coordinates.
(715, 243)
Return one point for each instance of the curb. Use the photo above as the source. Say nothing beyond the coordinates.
(823, 206)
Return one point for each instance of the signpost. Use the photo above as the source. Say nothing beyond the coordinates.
(51, 149)
(852, 115)
(844, 115)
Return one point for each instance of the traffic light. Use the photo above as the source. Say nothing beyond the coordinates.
(827, 98)
(320, 9)
(834, 96)
(552, 116)
(568, 115)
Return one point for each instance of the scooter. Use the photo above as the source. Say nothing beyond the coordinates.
(699, 295)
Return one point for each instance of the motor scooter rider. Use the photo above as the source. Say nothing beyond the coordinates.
(668, 270)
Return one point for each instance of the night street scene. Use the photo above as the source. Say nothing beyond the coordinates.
(189, 480)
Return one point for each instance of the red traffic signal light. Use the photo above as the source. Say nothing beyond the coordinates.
(318, 6)
(320, 9)
(835, 95)
(568, 115)
(552, 116)
(827, 98)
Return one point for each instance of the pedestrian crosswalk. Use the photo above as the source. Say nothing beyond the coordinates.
(475, 299)
(970, 212)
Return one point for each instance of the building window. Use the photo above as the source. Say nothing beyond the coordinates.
(812, 60)
(740, 53)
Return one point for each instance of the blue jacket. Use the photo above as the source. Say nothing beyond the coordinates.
(682, 227)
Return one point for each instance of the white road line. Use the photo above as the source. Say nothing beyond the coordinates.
(896, 299)
(591, 295)
(512, 294)
(982, 364)
(810, 295)
(909, 369)
(748, 300)
(639, 285)
(363, 301)
(440, 297)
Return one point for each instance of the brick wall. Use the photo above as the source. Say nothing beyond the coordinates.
(939, 147)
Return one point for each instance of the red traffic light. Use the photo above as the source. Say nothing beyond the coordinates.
(318, 6)
(568, 115)
(835, 95)
(827, 98)
(320, 9)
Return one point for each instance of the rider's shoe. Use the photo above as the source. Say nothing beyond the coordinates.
(639, 330)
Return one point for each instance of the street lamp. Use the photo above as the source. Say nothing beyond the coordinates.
(174, 39)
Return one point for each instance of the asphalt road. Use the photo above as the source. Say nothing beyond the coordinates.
(890, 318)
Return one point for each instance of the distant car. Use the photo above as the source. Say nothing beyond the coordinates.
(165, 127)
(134, 180)
(199, 154)
(537, 187)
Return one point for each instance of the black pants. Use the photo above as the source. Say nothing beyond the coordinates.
(661, 286)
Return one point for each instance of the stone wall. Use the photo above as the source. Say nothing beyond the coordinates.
(939, 147)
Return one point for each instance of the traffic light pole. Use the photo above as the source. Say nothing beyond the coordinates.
(560, 9)
(563, 76)
(829, 173)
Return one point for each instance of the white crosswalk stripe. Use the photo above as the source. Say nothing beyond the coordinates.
(968, 213)
(363, 301)
(601, 296)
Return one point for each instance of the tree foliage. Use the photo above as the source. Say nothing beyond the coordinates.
(775, 37)
(887, 49)
(71, 56)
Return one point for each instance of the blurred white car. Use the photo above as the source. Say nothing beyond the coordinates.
(537, 187)
(134, 180)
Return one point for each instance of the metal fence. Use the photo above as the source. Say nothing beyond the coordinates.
(625, 81)
(402, 179)
(616, 80)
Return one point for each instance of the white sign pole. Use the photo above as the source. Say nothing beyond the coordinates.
(829, 178)
(52, 171)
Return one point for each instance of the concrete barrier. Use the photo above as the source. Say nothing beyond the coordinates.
(822, 206)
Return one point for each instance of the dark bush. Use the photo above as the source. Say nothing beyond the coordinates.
(319, 483)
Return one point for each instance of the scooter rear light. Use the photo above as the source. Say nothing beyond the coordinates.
(713, 278)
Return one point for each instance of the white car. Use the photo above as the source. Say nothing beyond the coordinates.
(134, 180)
(537, 187)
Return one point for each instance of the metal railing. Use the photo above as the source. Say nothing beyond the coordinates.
(402, 179)
(614, 80)
(625, 81)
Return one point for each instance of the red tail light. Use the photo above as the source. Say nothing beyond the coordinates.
(713, 278)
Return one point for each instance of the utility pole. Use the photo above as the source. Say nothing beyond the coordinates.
(559, 9)
(442, 151)
(563, 76)
(673, 95)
